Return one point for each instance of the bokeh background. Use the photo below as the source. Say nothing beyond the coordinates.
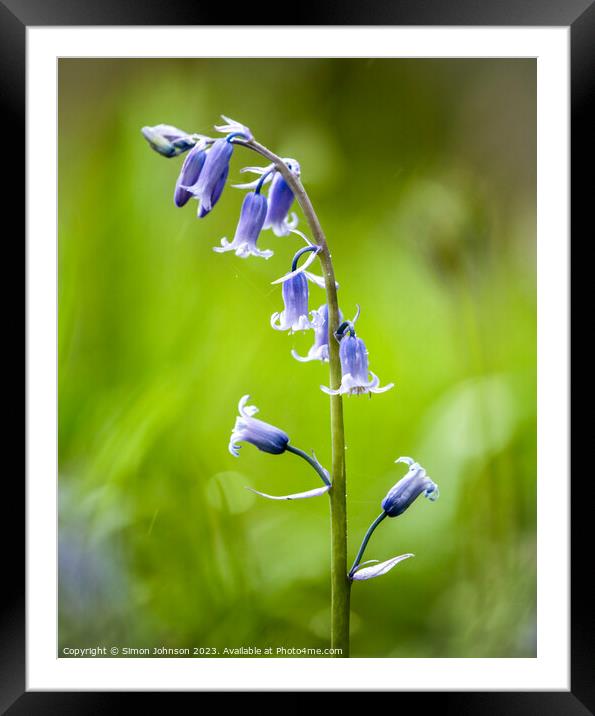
(423, 174)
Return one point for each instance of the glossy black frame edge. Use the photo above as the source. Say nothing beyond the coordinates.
(15, 16)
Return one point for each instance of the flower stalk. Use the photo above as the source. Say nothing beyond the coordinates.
(340, 583)
(203, 177)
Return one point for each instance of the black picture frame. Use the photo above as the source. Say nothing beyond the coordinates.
(579, 15)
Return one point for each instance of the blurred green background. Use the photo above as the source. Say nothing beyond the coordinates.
(423, 175)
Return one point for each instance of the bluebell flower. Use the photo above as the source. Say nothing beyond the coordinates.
(189, 173)
(398, 499)
(167, 140)
(210, 183)
(252, 216)
(319, 351)
(280, 201)
(355, 378)
(274, 441)
(295, 315)
(215, 196)
(280, 196)
(409, 488)
(251, 430)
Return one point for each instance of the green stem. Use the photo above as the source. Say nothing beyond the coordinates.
(311, 461)
(365, 541)
(340, 583)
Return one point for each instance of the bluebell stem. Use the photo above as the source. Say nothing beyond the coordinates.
(348, 360)
(398, 499)
(167, 140)
(249, 226)
(189, 173)
(274, 441)
(355, 374)
(280, 200)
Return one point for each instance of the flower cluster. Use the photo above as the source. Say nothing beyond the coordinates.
(202, 177)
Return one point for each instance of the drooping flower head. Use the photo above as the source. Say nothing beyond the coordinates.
(167, 140)
(189, 173)
(398, 499)
(356, 377)
(280, 201)
(295, 315)
(211, 180)
(212, 176)
(280, 196)
(251, 430)
(409, 488)
(319, 351)
(294, 285)
(274, 441)
(249, 226)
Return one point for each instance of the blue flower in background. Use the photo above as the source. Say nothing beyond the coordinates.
(167, 140)
(191, 168)
(251, 430)
(409, 488)
(249, 226)
(356, 378)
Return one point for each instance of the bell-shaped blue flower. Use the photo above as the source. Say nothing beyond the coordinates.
(394, 504)
(189, 173)
(249, 429)
(409, 488)
(270, 439)
(215, 196)
(167, 140)
(249, 226)
(356, 376)
(280, 201)
(209, 186)
(295, 315)
(319, 350)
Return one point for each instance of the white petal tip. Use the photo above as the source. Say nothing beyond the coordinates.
(407, 460)
(296, 496)
(378, 570)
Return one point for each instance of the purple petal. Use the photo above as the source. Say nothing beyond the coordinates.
(378, 569)
(297, 496)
